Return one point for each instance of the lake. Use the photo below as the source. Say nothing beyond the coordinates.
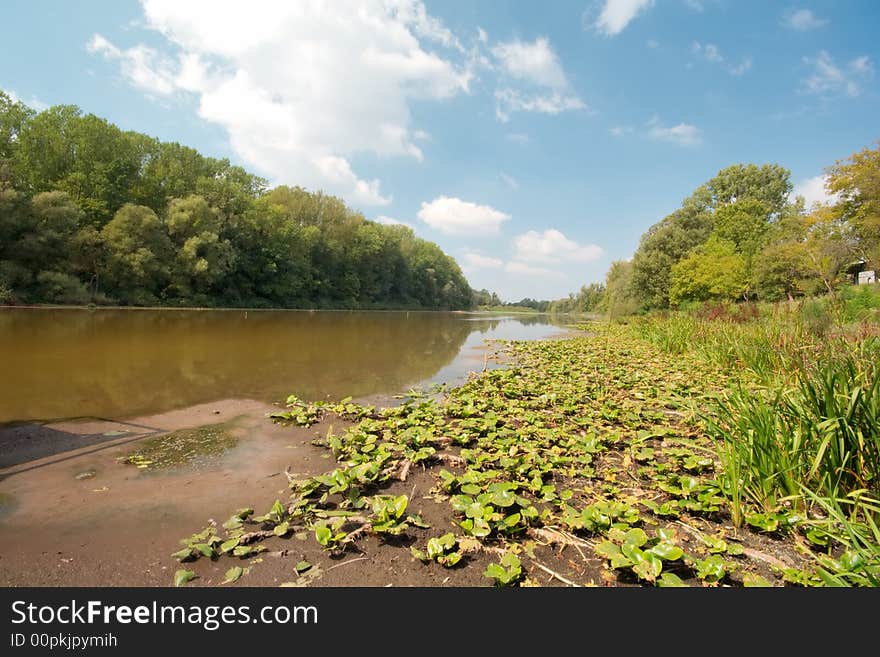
(114, 363)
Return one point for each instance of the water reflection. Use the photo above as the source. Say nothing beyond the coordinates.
(115, 363)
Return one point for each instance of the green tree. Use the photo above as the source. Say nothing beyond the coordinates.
(138, 255)
(202, 257)
(713, 271)
(857, 182)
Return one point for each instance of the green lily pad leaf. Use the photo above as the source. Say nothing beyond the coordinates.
(205, 549)
(670, 580)
(242, 550)
(608, 549)
(232, 543)
(281, 528)
(418, 554)
(503, 498)
(449, 560)
(667, 534)
(471, 489)
(635, 537)
(181, 577)
(302, 567)
(649, 567)
(233, 574)
(416, 521)
(183, 555)
(667, 551)
(323, 534)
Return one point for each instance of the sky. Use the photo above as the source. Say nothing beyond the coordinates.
(534, 142)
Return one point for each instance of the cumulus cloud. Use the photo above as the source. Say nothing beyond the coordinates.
(683, 134)
(827, 78)
(302, 87)
(144, 68)
(537, 65)
(390, 221)
(551, 246)
(617, 14)
(814, 191)
(473, 261)
(803, 20)
(534, 62)
(511, 100)
(453, 216)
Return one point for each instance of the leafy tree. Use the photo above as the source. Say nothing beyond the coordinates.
(857, 182)
(138, 255)
(620, 298)
(713, 271)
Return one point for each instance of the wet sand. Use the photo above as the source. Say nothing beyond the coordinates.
(118, 526)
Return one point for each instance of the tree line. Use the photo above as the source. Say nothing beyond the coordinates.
(740, 236)
(90, 213)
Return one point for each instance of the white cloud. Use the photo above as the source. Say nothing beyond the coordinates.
(710, 51)
(533, 62)
(456, 217)
(302, 87)
(390, 221)
(552, 246)
(803, 20)
(827, 78)
(473, 261)
(652, 43)
(511, 100)
(509, 180)
(536, 64)
(742, 68)
(34, 102)
(617, 14)
(620, 130)
(813, 190)
(696, 5)
(516, 267)
(144, 68)
(682, 134)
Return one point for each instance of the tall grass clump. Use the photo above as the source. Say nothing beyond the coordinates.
(822, 431)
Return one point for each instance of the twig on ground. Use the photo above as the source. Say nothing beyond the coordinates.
(552, 573)
(345, 563)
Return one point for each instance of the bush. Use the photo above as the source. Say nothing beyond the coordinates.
(56, 287)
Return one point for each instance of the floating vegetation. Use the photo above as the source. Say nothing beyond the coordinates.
(600, 442)
(182, 447)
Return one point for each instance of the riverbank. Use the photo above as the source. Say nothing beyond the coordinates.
(587, 462)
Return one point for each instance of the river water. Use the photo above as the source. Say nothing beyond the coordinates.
(58, 363)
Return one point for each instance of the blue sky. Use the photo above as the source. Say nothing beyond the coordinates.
(534, 142)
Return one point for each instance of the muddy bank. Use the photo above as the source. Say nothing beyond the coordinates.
(85, 517)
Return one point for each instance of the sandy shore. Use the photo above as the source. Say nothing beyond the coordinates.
(82, 517)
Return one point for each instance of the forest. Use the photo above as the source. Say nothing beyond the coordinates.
(741, 237)
(92, 214)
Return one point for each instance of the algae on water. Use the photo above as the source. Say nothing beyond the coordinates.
(183, 447)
